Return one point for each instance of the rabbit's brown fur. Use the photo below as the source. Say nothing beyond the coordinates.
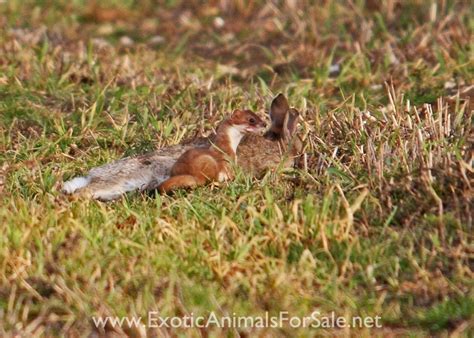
(278, 146)
(256, 154)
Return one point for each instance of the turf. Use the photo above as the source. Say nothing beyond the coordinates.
(376, 221)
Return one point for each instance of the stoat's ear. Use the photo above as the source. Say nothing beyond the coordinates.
(278, 112)
(236, 114)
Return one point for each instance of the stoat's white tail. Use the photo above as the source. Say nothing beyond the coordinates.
(76, 183)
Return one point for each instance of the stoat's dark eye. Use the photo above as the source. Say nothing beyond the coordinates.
(252, 120)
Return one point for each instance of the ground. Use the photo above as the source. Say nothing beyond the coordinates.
(376, 221)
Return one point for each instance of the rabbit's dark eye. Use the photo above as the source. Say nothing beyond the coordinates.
(252, 120)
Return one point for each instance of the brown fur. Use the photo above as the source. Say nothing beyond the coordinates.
(279, 145)
(198, 166)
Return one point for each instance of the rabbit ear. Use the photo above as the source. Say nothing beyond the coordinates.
(290, 123)
(278, 113)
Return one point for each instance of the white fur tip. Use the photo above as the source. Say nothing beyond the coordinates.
(76, 183)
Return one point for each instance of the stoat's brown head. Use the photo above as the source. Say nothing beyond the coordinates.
(246, 121)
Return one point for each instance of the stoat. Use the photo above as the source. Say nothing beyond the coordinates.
(199, 166)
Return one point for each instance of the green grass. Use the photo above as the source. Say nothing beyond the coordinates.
(377, 223)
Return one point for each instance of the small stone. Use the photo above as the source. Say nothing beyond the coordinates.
(156, 40)
(376, 86)
(219, 22)
(100, 43)
(126, 41)
(449, 84)
(334, 70)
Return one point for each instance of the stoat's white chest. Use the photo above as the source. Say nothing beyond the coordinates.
(235, 134)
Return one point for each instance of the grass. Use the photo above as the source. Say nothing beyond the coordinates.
(377, 222)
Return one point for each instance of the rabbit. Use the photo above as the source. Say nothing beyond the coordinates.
(278, 146)
(255, 154)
